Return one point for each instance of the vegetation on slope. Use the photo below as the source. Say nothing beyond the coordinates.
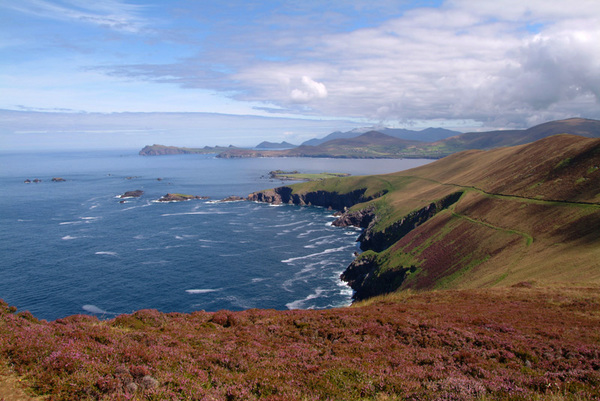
(507, 344)
(480, 219)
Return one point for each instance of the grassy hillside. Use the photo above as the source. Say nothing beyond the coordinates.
(524, 213)
(516, 343)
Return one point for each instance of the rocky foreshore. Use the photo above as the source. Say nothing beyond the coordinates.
(360, 269)
(360, 274)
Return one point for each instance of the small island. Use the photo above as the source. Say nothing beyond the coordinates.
(132, 194)
(297, 176)
(179, 198)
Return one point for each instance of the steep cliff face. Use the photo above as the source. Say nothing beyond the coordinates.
(364, 278)
(377, 241)
(334, 200)
(363, 274)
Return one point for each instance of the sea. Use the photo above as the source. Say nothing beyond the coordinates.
(75, 247)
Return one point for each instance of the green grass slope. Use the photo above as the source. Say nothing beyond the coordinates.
(523, 213)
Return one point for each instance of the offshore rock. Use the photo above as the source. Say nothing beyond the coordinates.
(179, 198)
(232, 198)
(132, 194)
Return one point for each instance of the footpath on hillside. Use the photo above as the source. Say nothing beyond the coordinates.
(11, 388)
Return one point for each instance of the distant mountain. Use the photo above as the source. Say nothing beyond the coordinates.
(378, 144)
(159, 150)
(370, 145)
(493, 139)
(427, 135)
(274, 145)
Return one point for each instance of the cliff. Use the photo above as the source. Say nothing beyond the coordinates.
(474, 219)
(333, 200)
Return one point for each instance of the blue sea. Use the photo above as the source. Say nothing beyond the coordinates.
(73, 247)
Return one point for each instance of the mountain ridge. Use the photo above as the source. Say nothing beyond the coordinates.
(383, 146)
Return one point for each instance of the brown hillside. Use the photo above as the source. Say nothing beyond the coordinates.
(479, 219)
(508, 226)
(562, 167)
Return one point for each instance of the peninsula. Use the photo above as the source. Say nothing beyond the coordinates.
(297, 176)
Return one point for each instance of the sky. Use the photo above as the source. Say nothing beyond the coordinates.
(194, 72)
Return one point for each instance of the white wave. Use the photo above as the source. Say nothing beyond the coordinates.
(139, 236)
(258, 280)
(136, 206)
(95, 309)
(289, 224)
(108, 253)
(156, 262)
(69, 222)
(323, 237)
(274, 205)
(90, 218)
(312, 255)
(202, 290)
(304, 234)
(300, 303)
(190, 213)
(68, 237)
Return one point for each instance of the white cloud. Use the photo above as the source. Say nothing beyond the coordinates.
(507, 62)
(310, 90)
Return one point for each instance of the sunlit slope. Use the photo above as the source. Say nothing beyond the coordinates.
(483, 218)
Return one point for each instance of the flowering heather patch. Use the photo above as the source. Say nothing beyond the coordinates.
(509, 344)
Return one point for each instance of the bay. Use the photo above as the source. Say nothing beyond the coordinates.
(72, 247)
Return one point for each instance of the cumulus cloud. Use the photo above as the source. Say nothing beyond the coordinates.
(310, 90)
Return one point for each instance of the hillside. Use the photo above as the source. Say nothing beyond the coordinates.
(371, 144)
(266, 145)
(505, 344)
(473, 219)
(493, 139)
(159, 150)
(425, 135)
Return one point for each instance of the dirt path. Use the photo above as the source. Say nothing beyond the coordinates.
(11, 388)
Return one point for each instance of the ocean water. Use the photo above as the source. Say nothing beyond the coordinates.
(72, 247)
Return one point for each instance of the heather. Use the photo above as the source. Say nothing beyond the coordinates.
(516, 343)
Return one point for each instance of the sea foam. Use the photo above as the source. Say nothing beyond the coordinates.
(312, 255)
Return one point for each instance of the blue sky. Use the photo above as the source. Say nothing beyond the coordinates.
(296, 69)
